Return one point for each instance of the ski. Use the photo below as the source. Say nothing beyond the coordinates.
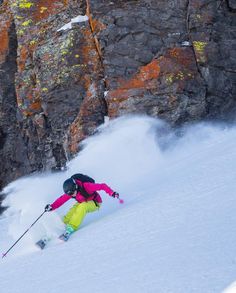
(42, 243)
(64, 237)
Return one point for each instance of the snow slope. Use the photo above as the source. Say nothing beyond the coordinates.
(175, 233)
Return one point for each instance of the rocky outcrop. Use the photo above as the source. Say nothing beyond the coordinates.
(189, 46)
(211, 26)
(169, 59)
(14, 162)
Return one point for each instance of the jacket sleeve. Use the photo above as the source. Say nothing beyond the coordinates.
(92, 187)
(60, 201)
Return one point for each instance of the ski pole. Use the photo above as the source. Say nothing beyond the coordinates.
(4, 254)
(121, 201)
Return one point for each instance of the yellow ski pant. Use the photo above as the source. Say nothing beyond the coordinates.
(76, 214)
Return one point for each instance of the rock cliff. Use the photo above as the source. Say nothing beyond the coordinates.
(65, 65)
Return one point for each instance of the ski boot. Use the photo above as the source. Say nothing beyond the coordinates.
(66, 235)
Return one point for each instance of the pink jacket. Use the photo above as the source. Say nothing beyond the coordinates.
(91, 188)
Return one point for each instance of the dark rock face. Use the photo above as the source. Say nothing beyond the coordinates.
(231, 4)
(212, 30)
(170, 59)
(186, 41)
(14, 161)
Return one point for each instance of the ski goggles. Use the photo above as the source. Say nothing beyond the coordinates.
(71, 192)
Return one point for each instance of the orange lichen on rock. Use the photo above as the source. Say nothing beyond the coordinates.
(96, 25)
(4, 37)
(35, 106)
(83, 123)
(40, 9)
(144, 79)
(45, 8)
(89, 51)
(22, 58)
(176, 67)
(4, 43)
(6, 21)
(180, 56)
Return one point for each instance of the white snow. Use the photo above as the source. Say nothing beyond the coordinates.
(77, 19)
(106, 93)
(186, 44)
(231, 288)
(175, 233)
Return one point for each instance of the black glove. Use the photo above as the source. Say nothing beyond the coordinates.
(48, 208)
(115, 195)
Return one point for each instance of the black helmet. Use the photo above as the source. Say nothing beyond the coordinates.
(69, 186)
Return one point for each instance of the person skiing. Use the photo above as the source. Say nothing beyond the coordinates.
(84, 190)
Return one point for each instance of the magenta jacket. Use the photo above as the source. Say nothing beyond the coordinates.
(90, 188)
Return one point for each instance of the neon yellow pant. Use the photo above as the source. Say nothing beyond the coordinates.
(76, 214)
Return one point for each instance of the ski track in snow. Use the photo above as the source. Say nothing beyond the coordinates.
(175, 233)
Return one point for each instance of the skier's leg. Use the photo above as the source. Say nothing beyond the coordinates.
(79, 213)
(69, 214)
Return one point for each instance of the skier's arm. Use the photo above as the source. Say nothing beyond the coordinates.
(60, 201)
(92, 187)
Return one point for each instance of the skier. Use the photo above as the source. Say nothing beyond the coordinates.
(83, 189)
